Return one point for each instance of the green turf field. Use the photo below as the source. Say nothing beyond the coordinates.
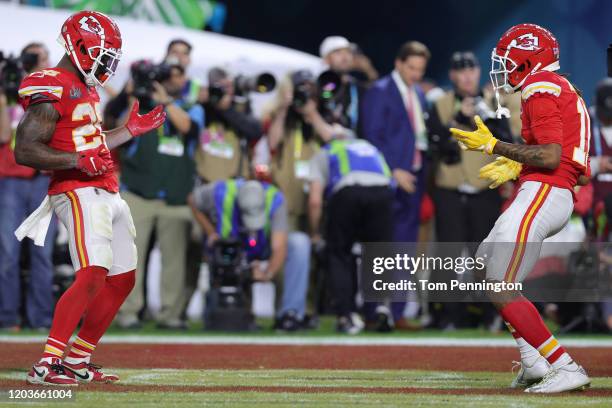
(193, 368)
(326, 328)
(316, 388)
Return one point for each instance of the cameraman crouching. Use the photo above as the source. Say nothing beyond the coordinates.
(157, 174)
(255, 213)
(230, 127)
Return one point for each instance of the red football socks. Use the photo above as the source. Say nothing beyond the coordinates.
(71, 306)
(100, 314)
(524, 318)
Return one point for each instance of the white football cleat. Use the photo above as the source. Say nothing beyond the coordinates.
(570, 377)
(530, 374)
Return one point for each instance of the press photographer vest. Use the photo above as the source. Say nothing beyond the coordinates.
(290, 169)
(219, 154)
(228, 216)
(452, 176)
(346, 156)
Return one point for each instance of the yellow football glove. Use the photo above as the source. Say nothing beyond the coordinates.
(501, 170)
(480, 139)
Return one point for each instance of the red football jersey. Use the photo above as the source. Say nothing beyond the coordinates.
(553, 112)
(78, 128)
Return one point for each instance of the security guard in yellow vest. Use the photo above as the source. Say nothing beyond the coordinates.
(355, 179)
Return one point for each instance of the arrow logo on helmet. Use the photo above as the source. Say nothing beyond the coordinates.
(526, 42)
(90, 24)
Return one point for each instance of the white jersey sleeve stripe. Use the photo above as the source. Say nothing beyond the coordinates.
(542, 87)
(31, 90)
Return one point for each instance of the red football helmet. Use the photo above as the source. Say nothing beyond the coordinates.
(93, 43)
(522, 50)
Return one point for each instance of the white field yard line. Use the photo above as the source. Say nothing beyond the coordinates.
(306, 341)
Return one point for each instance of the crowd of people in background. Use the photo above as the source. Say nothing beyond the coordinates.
(368, 160)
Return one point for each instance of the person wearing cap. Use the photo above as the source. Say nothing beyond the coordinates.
(255, 213)
(338, 54)
(223, 151)
(157, 174)
(354, 179)
(465, 208)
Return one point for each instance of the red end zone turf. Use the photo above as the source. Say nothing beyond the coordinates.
(597, 360)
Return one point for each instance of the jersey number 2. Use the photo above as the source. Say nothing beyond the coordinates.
(88, 136)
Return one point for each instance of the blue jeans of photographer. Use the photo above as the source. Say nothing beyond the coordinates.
(296, 272)
(18, 198)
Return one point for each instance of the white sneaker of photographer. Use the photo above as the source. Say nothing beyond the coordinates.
(530, 374)
(570, 377)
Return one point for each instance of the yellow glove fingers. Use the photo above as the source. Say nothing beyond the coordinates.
(486, 173)
(493, 169)
(496, 184)
(480, 124)
(458, 133)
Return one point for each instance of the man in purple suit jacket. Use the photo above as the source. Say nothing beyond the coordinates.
(393, 115)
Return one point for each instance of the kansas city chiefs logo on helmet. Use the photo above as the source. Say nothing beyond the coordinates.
(89, 23)
(527, 42)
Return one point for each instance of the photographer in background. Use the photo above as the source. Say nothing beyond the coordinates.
(21, 191)
(339, 98)
(292, 142)
(179, 52)
(157, 174)
(465, 207)
(255, 213)
(230, 129)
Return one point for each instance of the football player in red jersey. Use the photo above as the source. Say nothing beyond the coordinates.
(553, 160)
(60, 131)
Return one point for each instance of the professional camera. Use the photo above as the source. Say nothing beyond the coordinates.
(329, 84)
(229, 267)
(243, 85)
(11, 74)
(261, 83)
(227, 304)
(303, 87)
(144, 72)
(329, 90)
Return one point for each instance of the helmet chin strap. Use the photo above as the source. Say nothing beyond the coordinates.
(501, 111)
